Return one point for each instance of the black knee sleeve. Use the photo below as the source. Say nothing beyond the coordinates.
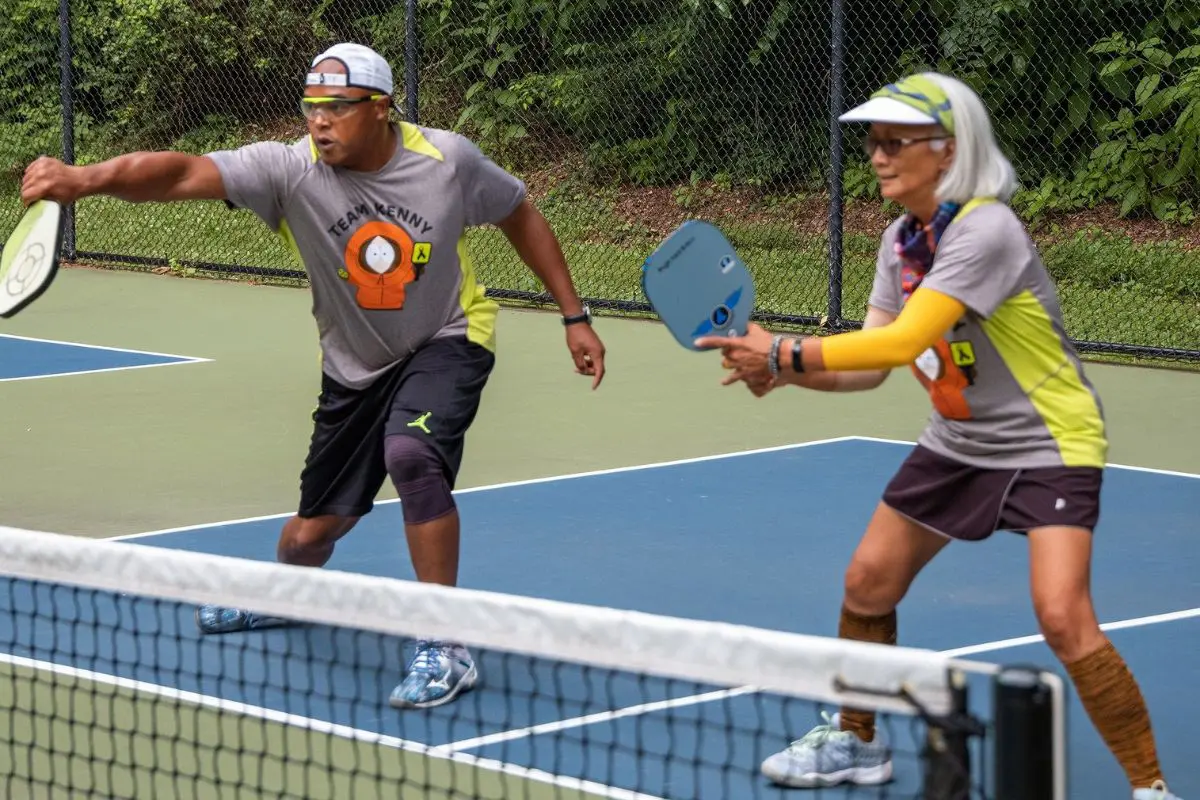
(420, 480)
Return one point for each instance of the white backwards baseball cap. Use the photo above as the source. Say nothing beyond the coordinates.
(365, 69)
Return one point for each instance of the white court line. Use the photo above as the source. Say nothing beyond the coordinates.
(590, 719)
(1136, 622)
(178, 359)
(101, 347)
(323, 726)
(1152, 470)
(512, 484)
(105, 369)
(600, 472)
(696, 699)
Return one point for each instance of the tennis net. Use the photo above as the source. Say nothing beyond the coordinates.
(110, 691)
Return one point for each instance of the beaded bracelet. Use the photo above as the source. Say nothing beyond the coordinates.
(773, 358)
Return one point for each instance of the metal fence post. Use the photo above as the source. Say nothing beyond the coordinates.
(410, 61)
(837, 62)
(66, 90)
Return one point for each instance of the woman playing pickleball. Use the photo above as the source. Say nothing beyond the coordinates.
(1016, 440)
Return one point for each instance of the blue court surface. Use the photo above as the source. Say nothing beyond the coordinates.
(759, 538)
(23, 358)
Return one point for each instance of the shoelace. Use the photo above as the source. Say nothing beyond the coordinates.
(428, 658)
(817, 737)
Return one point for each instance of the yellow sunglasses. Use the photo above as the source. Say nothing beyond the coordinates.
(336, 107)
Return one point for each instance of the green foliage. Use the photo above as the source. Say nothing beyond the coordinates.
(663, 91)
(654, 90)
(1151, 156)
(146, 71)
(1148, 158)
(1097, 101)
(30, 115)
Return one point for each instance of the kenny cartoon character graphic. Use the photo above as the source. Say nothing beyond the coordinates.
(946, 370)
(381, 260)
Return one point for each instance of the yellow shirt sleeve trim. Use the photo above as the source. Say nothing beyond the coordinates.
(925, 318)
(415, 141)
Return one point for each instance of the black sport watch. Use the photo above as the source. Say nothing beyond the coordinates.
(797, 355)
(586, 316)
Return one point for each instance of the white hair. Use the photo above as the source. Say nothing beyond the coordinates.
(980, 168)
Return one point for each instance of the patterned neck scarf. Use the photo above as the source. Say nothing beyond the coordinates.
(917, 243)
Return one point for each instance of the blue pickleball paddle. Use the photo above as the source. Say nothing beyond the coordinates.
(698, 285)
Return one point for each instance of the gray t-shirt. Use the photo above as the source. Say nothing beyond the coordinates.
(1007, 386)
(384, 251)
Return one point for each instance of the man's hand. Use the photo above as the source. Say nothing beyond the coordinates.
(745, 357)
(587, 350)
(534, 241)
(50, 179)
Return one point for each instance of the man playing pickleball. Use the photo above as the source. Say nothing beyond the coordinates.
(377, 212)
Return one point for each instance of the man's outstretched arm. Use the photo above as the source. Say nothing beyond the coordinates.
(135, 177)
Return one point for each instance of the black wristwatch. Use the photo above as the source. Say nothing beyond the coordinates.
(797, 353)
(586, 316)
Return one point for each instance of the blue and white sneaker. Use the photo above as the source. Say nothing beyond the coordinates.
(217, 619)
(828, 756)
(1156, 792)
(437, 673)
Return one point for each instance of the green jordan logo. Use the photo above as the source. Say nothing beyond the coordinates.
(419, 422)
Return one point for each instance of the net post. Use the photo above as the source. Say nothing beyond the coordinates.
(1024, 743)
(947, 751)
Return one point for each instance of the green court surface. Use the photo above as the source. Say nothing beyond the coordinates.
(125, 451)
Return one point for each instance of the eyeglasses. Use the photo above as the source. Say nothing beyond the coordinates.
(892, 147)
(336, 107)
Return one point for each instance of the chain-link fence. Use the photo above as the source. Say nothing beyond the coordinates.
(627, 118)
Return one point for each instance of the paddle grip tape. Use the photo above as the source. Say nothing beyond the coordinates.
(417, 473)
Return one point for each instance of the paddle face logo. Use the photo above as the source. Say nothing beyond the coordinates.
(381, 260)
(26, 267)
(720, 317)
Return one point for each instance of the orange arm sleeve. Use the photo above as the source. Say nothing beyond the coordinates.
(926, 317)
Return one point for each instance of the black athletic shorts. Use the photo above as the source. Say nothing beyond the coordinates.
(433, 396)
(966, 502)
